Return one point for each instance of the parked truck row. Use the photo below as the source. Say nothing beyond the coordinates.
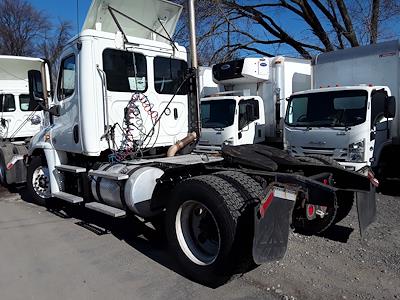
(341, 106)
(121, 125)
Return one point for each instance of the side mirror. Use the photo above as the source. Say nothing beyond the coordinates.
(390, 107)
(35, 85)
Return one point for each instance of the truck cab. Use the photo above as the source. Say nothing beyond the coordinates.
(20, 117)
(231, 120)
(348, 124)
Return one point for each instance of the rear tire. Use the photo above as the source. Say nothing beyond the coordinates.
(3, 171)
(38, 181)
(300, 221)
(202, 221)
(251, 191)
(345, 200)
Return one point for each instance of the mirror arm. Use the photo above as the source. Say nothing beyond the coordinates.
(54, 110)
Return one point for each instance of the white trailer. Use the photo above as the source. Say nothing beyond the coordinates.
(348, 116)
(251, 104)
(20, 118)
(123, 115)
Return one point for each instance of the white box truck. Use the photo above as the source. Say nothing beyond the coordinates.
(20, 118)
(251, 105)
(350, 114)
(118, 143)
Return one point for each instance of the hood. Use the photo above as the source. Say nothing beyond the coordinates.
(212, 137)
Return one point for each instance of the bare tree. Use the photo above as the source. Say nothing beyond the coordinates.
(21, 26)
(54, 42)
(262, 27)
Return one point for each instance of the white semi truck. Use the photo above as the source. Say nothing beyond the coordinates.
(350, 114)
(123, 121)
(20, 118)
(250, 106)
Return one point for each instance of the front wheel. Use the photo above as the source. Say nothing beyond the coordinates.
(201, 223)
(38, 181)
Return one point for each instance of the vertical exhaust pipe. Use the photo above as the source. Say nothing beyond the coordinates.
(192, 33)
(194, 64)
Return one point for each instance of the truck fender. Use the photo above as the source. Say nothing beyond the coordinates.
(53, 159)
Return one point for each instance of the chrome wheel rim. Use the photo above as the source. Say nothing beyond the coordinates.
(198, 233)
(41, 182)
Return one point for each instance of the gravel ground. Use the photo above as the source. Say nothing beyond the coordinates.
(45, 255)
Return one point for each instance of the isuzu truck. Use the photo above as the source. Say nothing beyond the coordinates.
(124, 120)
(351, 114)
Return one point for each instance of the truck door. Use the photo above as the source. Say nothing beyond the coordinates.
(66, 132)
(29, 110)
(380, 127)
(7, 115)
(249, 114)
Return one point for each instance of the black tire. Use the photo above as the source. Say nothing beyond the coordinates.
(251, 191)
(299, 219)
(36, 162)
(221, 201)
(345, 200)
(3, 171)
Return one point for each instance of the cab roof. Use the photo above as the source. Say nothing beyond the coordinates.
(16, 67)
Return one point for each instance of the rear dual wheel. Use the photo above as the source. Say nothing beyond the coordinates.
(204, 223)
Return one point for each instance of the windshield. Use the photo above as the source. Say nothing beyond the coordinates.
(217, 113)
(328, 109)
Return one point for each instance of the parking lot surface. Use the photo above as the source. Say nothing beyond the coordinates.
(73, 254)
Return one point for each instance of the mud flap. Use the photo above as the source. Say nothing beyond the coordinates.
(366, 209)
(272, 224)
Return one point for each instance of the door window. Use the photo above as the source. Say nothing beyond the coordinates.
(66, 80)
(7, 102)
(169, 76)
(248, 112)
(126, 71)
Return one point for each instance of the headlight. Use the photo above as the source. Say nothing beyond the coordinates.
(356, 151)
(228, 142)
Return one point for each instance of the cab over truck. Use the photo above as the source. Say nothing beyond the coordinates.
(350, 114)
(124, 119)
(251, 106)
(20, 118)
